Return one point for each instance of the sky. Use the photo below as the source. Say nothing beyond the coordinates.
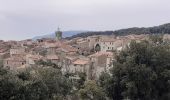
(22, 19)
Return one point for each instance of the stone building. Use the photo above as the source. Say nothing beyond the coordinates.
(53, 58)
(32, 59)
(101, 62)
(13, 63)
(17, 51)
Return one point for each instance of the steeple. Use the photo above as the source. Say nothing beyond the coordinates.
(58, 34)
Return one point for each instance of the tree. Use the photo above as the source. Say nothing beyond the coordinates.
(57, 84)
(91, 91)
(34, 84)
(141, 72)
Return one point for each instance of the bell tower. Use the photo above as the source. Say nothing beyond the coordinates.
(58, 34)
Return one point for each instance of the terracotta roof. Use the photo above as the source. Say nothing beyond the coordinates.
(16, 59)
(52, 57)
(81, 62)
(68, 48)
(3, 50)
(53, 44)
(72, 58)
(35, 57)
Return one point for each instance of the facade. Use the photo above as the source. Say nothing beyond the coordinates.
(17, 51)
(101, 62)
(53, 58)
(13, 63)
(32, 59)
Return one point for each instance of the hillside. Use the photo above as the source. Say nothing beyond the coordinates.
(165, 28)
(65, 34)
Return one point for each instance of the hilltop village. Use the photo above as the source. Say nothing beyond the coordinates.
(91, 55)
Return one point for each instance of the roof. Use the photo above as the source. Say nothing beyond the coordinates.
(71, 57)
(52, 57)
(21, 59)
(108, 39)
(101, 53)
(35, 57)
(81, 62)
(54, 44)
(3, 50)
(68, 48)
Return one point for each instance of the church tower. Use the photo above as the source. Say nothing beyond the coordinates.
(58, 34)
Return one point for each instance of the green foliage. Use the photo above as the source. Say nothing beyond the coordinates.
(47, 64)
(81, 81)
(34, 84)
(162, 29)
(142, 72)
(91, 91)
(156, 38)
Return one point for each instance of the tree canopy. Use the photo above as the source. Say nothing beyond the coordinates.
(141, 72)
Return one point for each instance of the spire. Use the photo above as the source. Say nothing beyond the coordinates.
(58, 29)
(58, 34)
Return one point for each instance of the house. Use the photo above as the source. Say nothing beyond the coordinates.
(101, 62)
(4, 53)
(13, 63)
(64, 50)
(17, 51)
(66, 62)
(80, 65)
(32, 59)
(106, 44)
(93, 40)
(76, 65)
(53, 58)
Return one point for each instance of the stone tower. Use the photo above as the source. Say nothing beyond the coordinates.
(58, 34)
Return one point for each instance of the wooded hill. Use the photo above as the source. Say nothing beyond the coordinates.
(161, 29)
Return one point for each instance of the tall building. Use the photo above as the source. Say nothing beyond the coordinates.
(58, 34)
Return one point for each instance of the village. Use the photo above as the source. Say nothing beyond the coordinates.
(92, 55)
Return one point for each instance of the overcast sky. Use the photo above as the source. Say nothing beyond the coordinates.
(21, 19)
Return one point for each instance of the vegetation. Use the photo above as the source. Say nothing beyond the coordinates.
(91, 91)
(162, 29)
(34, 84)
(141, 72)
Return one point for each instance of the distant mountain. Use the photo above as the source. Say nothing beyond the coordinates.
(161, 29)
(65, 34)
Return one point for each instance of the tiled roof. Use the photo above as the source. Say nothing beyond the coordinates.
(35, 57)
(16, 59)
(68, 48)
(52, 57)
(72, 58)
(81, 62)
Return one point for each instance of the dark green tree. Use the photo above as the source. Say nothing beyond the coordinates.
(141, 72)
(91, 91)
